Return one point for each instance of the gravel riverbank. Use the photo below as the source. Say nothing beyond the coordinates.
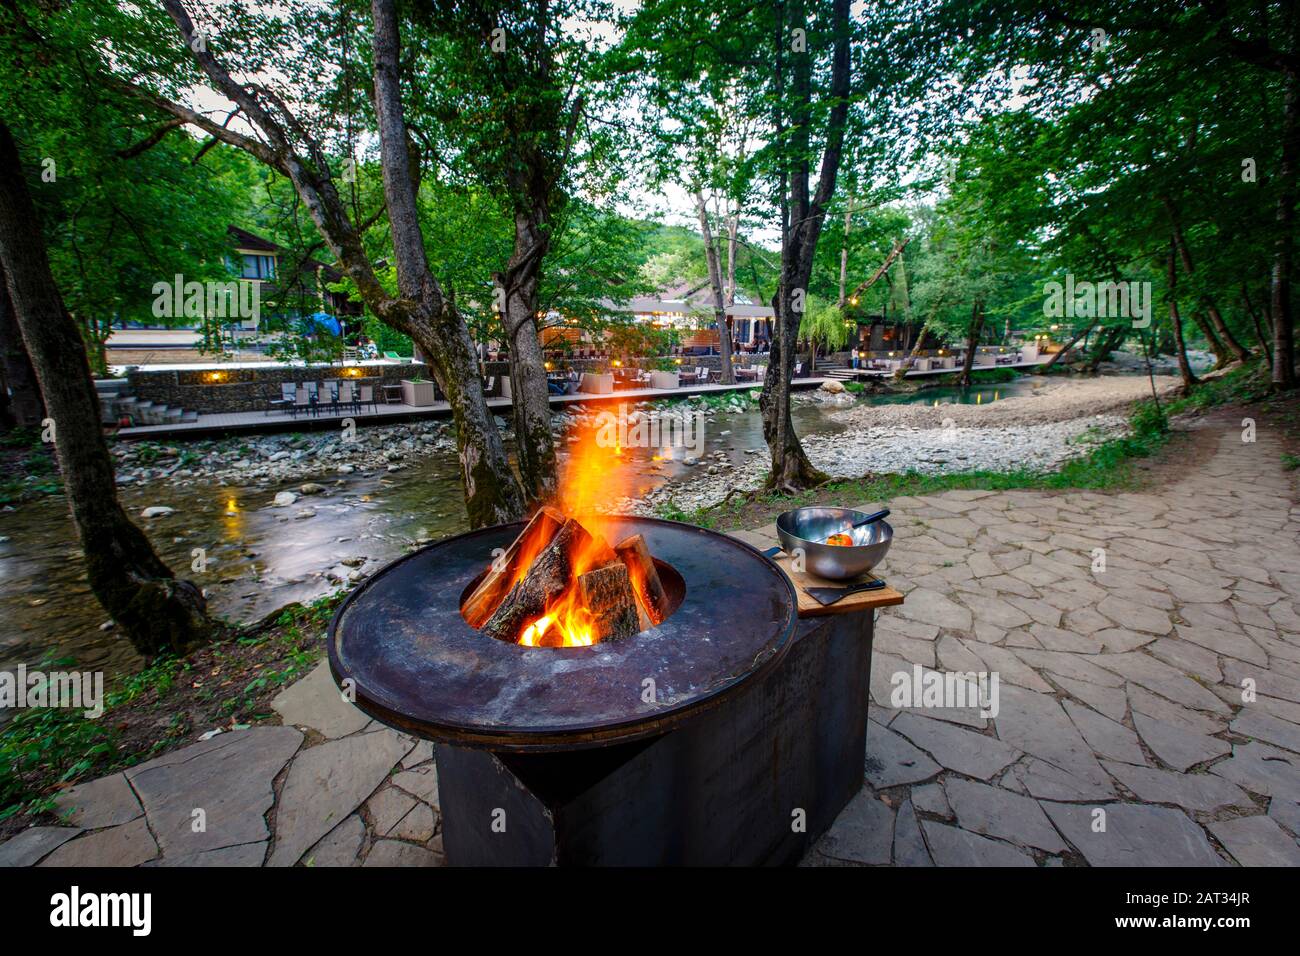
(1055, 401)
(896, 449)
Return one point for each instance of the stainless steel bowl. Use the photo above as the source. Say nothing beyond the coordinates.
(808, 528)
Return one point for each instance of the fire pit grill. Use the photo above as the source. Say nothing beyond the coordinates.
(416, 663)
(753, 739)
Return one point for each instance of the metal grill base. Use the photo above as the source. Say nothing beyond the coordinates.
(754, 781)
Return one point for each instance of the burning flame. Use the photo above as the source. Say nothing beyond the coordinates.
(593, 478)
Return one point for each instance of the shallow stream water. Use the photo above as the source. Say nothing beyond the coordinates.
(259, 557)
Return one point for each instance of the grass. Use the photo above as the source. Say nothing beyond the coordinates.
(1244, 385)
(27, 468)
(993, 376)
(228, 684)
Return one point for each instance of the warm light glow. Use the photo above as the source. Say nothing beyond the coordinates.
(592, 481)
(548, 365)
(617, 364)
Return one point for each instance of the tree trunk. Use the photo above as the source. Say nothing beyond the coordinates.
(972, 340)
(844, 255)
(1259, 327)
(1222, 332)
(1062, 352)
(900, 373)
(715, 285)
(1184, 366)
(1107, 341)
(23, 407)
(156, 611)
(801, 228)
(1280, 305)
(492, 493)
(733, 227)
(1221, 356)
(531, 405)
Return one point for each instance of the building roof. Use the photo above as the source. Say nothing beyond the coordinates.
(650, 305)
(247, 240)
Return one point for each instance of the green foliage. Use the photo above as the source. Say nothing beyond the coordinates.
(993, 376)
(824, 324)
(1241, 386)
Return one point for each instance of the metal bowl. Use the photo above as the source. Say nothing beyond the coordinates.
(808, 529)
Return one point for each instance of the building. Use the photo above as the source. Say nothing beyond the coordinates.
(690, 309)
(290, 290)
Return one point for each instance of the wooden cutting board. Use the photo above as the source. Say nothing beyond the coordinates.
(810, 606)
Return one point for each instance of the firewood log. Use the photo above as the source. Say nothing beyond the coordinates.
(485, 599)
(644, 576)
(606, 592)
(545, 580)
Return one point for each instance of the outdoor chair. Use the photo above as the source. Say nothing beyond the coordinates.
(285, 402)
(301, 401)
(346, 396)
(366, 396)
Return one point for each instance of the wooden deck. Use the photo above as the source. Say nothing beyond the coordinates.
(217, 423)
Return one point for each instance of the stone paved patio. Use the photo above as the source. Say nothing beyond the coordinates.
(1121, 736)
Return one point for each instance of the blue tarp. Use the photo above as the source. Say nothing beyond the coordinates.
(319, 322)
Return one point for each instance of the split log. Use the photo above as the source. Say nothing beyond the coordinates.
(487, 597)
(547, 577)
(606, 593)
(634, 554)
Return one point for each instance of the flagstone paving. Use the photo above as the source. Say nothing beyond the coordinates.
(1147, 647)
